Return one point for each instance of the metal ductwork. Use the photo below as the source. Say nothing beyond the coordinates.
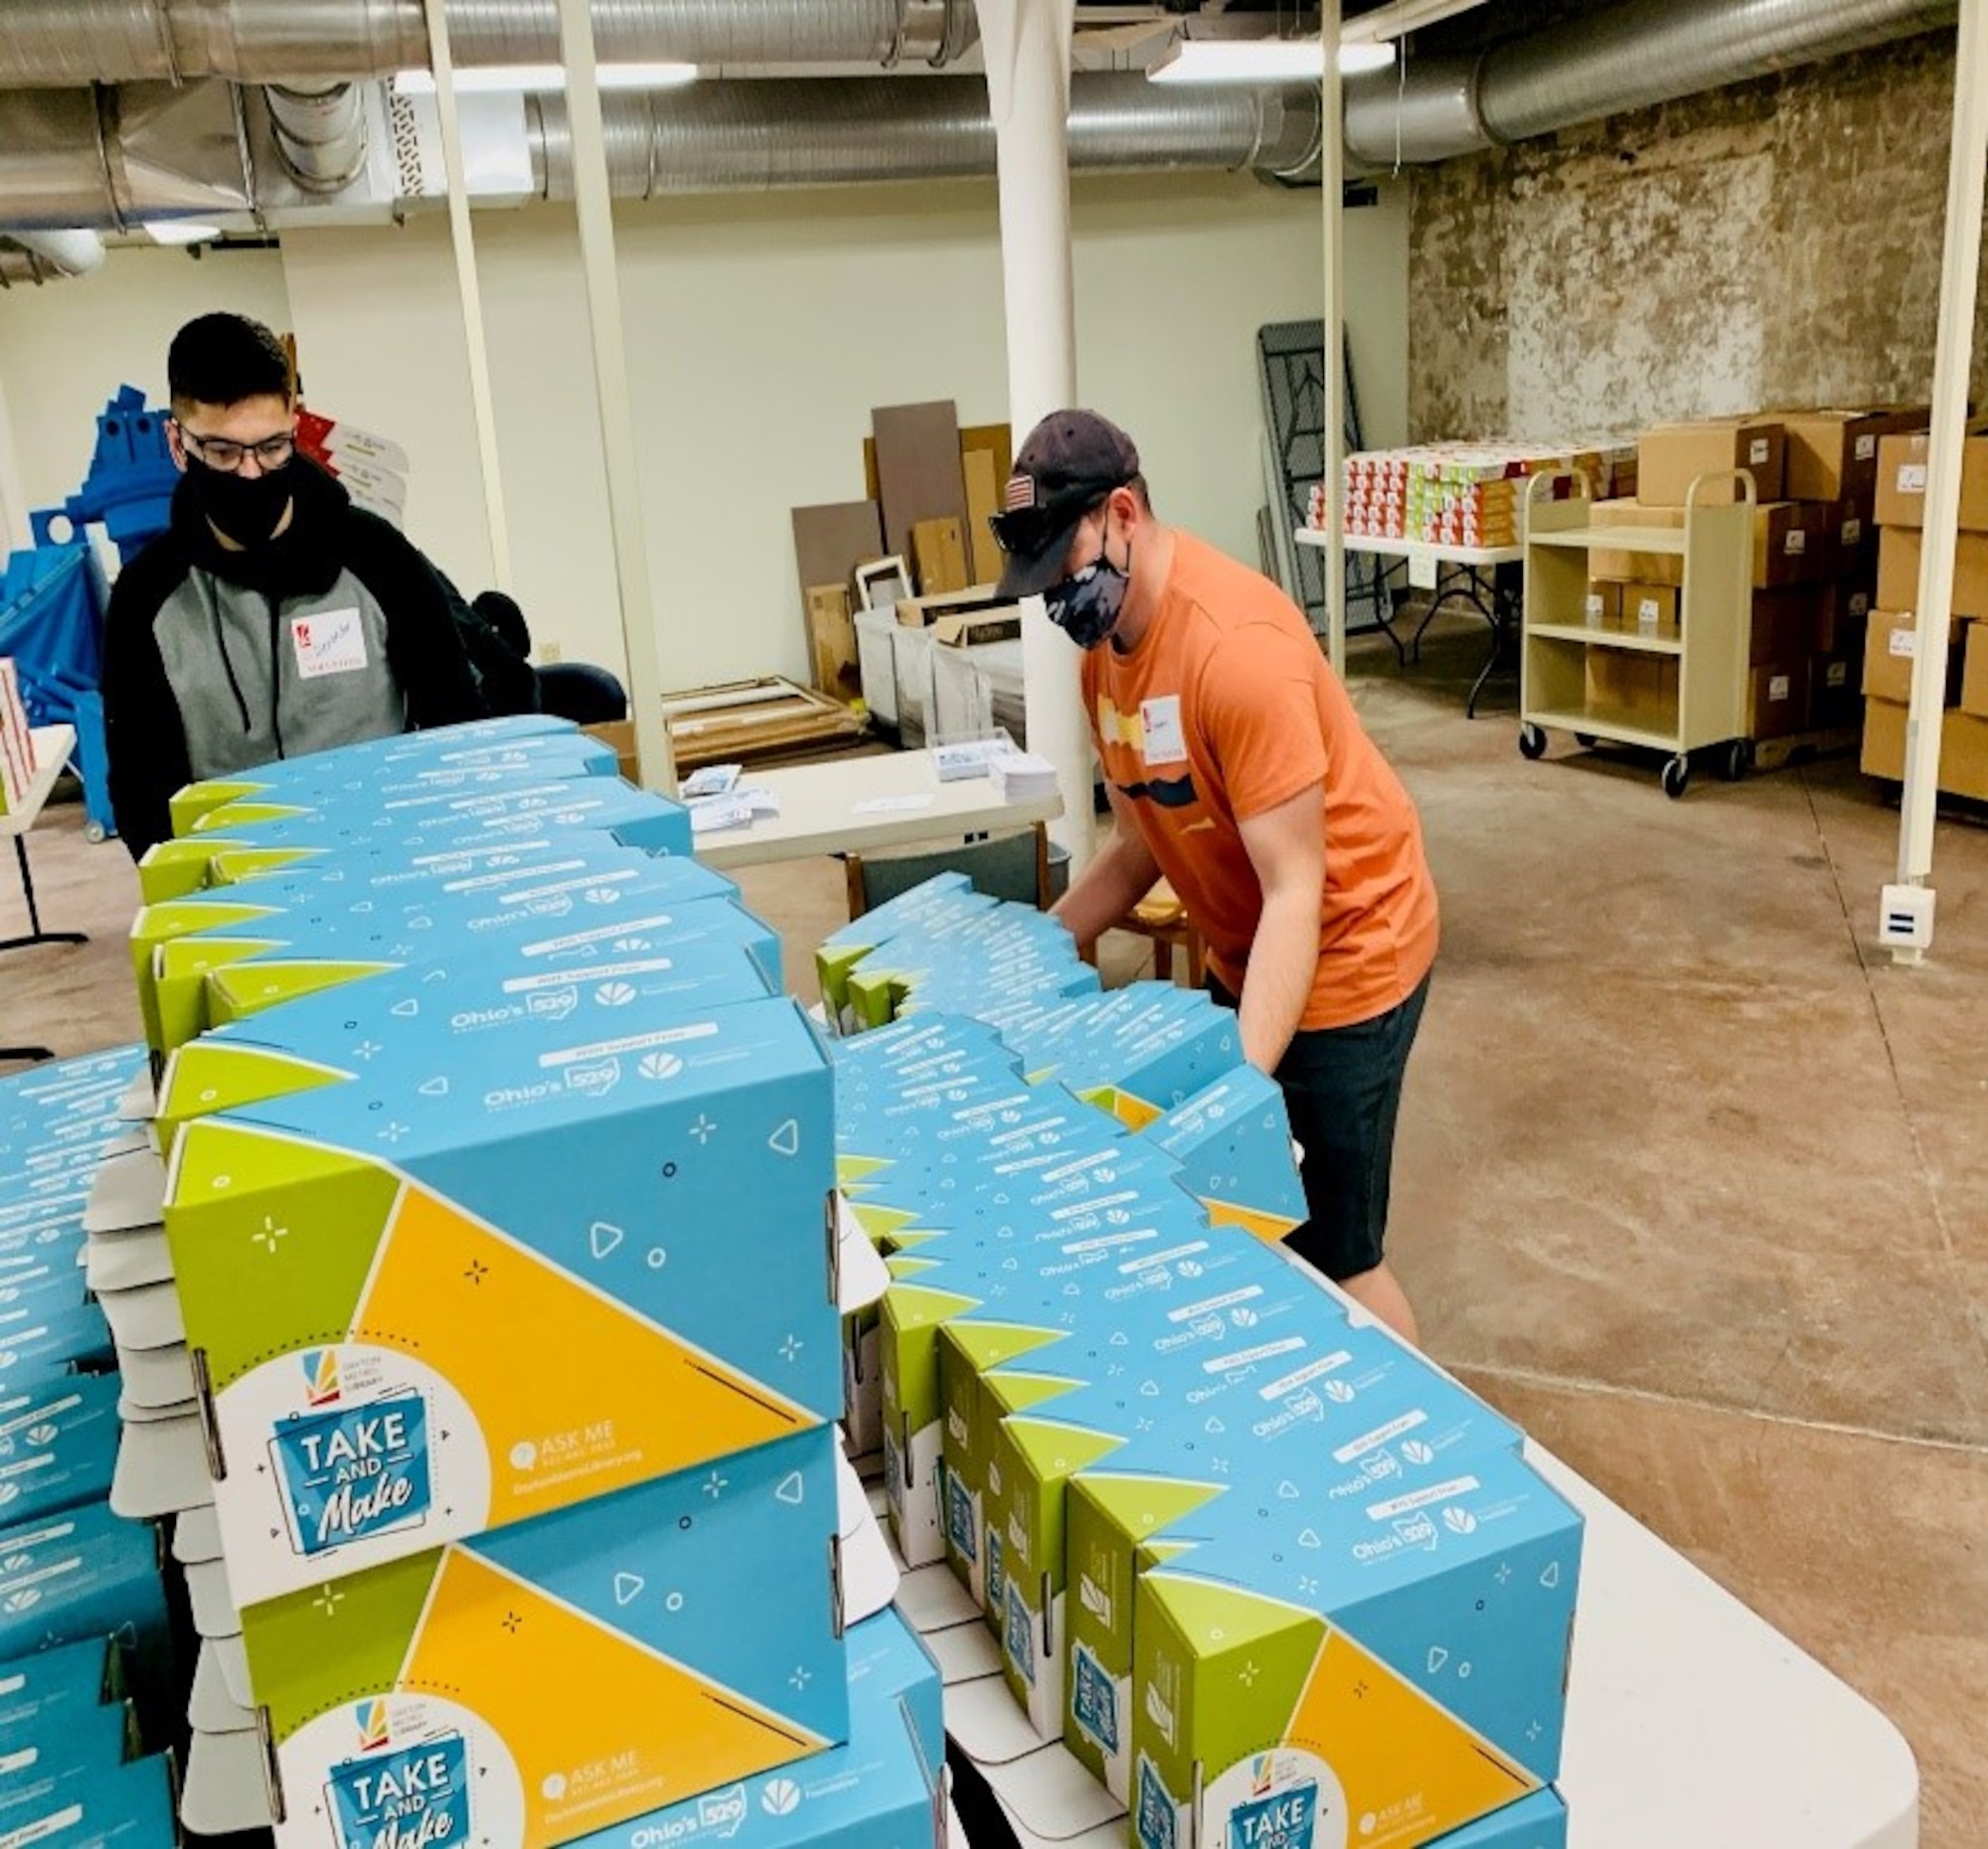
(1627, 56)
(47, 257)
(63, 44)
(320, 134)
(758, 136)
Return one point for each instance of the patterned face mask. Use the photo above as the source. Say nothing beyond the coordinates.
(1086, 606)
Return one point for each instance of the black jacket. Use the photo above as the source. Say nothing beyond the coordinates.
(218, 661)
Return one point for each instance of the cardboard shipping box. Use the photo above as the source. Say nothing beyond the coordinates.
(1901, 482)
(1785, 623)
(1627, 683)
(1964, 748)
(1900, 553)
(1778, 699)
(1832, 454)
(1843, 614)
(1835, 697)
(1791, 543)
(1602, 606)
(1974, 674)
(1650, 609)
(1647, 568)
(1889, 653)
(1671, 456)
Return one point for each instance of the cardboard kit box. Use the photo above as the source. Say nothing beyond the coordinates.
(1650, 609)
(1402, 1660)
(500, 1294)
(1785, 623)
(1671, 456)
(568, 1673)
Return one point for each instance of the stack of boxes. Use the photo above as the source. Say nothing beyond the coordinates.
(510, 1511)
(1267, 1574)
(1887, 661)
(1815, 475)
(87, 1655)
(1460, 495)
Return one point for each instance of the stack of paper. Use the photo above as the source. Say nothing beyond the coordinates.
(1022, 777)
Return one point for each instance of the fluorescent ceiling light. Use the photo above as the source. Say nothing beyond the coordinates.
(1263, 60)
(504, 79)
(180, 232)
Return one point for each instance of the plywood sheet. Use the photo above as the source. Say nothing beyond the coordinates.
(832, 540)
(918, 468)
(983, 502)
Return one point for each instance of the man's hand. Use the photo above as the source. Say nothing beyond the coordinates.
(1287, 847)
(1121, 875)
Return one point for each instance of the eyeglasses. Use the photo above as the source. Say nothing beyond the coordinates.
(1021, 532)
(219, 452)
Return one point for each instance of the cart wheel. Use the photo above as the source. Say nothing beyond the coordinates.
(1736, 760)
(1677, 776)
(1586, 740)
(94, 832)
(1531, 740)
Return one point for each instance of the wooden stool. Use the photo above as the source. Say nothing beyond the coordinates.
(1161, 917)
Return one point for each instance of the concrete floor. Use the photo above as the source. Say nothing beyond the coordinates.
(1691, 1181)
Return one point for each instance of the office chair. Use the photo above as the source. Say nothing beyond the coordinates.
(1015, 866)
(579, 691)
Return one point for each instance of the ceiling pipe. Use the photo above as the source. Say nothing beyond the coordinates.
(63, 44)
(48, 255)
(320, 134)
(1630, 55)
(827, 131)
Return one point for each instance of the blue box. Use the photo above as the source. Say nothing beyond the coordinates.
(58, 1445)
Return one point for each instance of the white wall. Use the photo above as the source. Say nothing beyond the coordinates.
(66, 348)
(762, 329)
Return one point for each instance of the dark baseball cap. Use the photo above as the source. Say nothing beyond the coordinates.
(1070, 461)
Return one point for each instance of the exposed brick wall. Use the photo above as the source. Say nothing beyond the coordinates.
(1774, 243)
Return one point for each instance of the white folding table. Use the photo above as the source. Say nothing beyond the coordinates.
(1427, 566)
(893, 799)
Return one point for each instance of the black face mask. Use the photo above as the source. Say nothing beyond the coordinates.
(245, 507)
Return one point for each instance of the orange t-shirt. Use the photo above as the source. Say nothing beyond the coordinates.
(1225, 708)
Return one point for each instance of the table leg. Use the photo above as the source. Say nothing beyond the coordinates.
(1501, 612)
(35, 934)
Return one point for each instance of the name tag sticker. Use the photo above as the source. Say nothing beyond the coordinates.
(1160, 727)
(328, 642)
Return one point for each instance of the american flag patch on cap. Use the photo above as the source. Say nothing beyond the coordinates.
(1020, 492)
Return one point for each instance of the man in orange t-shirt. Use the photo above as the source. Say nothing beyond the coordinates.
(1237, 770)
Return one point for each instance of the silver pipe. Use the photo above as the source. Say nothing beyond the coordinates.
(48, 257)
(62, 44)
(1640, 52)
(1630, 55)
(112, 159)
(756, 136)
(320, 134)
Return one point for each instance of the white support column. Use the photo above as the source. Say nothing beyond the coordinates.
(481, 399)
(656, 764)
(1332, 185)
(1959, 279)
(1027, 49)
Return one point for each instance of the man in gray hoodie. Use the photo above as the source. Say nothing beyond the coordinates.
(274, 617)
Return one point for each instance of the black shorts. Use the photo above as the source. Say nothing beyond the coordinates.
(1343, 1090)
